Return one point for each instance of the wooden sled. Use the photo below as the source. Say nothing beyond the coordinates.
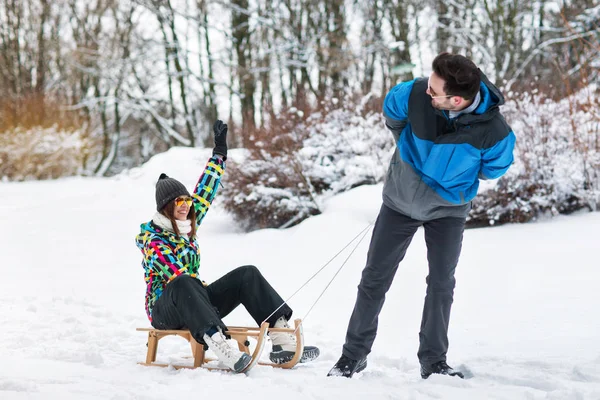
(238, 333)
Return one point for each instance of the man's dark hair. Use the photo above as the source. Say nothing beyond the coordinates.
(461, 75)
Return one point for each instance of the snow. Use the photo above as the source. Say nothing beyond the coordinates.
(524, 321)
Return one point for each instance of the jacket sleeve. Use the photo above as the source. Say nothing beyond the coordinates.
(161, 260)
(207, 186)
(395, 108)
(496, 160)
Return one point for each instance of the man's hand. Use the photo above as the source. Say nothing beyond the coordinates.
(220, 130)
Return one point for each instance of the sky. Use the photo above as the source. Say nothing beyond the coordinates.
(524, 322)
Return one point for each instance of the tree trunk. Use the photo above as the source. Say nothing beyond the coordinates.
(168, 71)
(124, 35)
(210, 94)
(105, 130)
(337, 40)
(400, 27)
(242, 45)
(41, 64)
(180, 76)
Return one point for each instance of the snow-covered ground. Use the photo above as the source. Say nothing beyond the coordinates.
(524, 323)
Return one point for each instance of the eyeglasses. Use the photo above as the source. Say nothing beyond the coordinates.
(432, 93)
(180, 200)
(440, 97)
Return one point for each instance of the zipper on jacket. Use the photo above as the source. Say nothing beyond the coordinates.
(450, 124)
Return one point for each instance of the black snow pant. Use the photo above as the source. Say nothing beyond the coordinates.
(187, 304)
(392, 235)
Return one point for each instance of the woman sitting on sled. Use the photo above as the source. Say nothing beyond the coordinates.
(176, 298)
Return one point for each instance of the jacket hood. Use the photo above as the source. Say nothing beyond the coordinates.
(490, 96)
(491, 100)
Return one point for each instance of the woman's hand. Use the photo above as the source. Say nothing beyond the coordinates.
(220, 130)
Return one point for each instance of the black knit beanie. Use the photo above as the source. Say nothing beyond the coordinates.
(168, 189)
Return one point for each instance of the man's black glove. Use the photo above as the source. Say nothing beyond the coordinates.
(220, 130)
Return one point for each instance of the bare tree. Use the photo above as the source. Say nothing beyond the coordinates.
(242, 45)
(121, 50)
(337, 61)
(23, 61)
(567, 55)
(398, 14)
(209, 84)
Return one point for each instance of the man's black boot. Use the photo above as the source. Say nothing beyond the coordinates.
(441, 368)
(347, 367)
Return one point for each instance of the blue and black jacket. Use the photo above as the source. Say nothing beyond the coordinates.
(435, 170)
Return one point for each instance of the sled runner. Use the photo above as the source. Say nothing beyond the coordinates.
(238, 333)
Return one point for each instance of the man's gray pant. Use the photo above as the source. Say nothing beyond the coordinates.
(392, 234)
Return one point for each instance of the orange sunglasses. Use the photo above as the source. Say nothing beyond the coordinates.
(180, 200)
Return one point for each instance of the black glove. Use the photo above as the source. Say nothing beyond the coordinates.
(220, 130)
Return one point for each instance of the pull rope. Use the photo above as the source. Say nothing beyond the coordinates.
(363, 233)
(336, 274)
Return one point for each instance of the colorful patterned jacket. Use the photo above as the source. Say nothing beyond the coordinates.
(167, 255)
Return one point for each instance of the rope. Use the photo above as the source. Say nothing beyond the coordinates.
(364, 233)
(336, 274)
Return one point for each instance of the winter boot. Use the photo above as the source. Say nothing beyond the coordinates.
(234, 359)
(441, 368)
(284, 346)
(347, 367)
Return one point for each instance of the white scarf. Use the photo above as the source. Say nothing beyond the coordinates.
(185, 227)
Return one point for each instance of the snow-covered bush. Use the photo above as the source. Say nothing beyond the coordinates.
(290, 171)
(41, 153)
(557, 160)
